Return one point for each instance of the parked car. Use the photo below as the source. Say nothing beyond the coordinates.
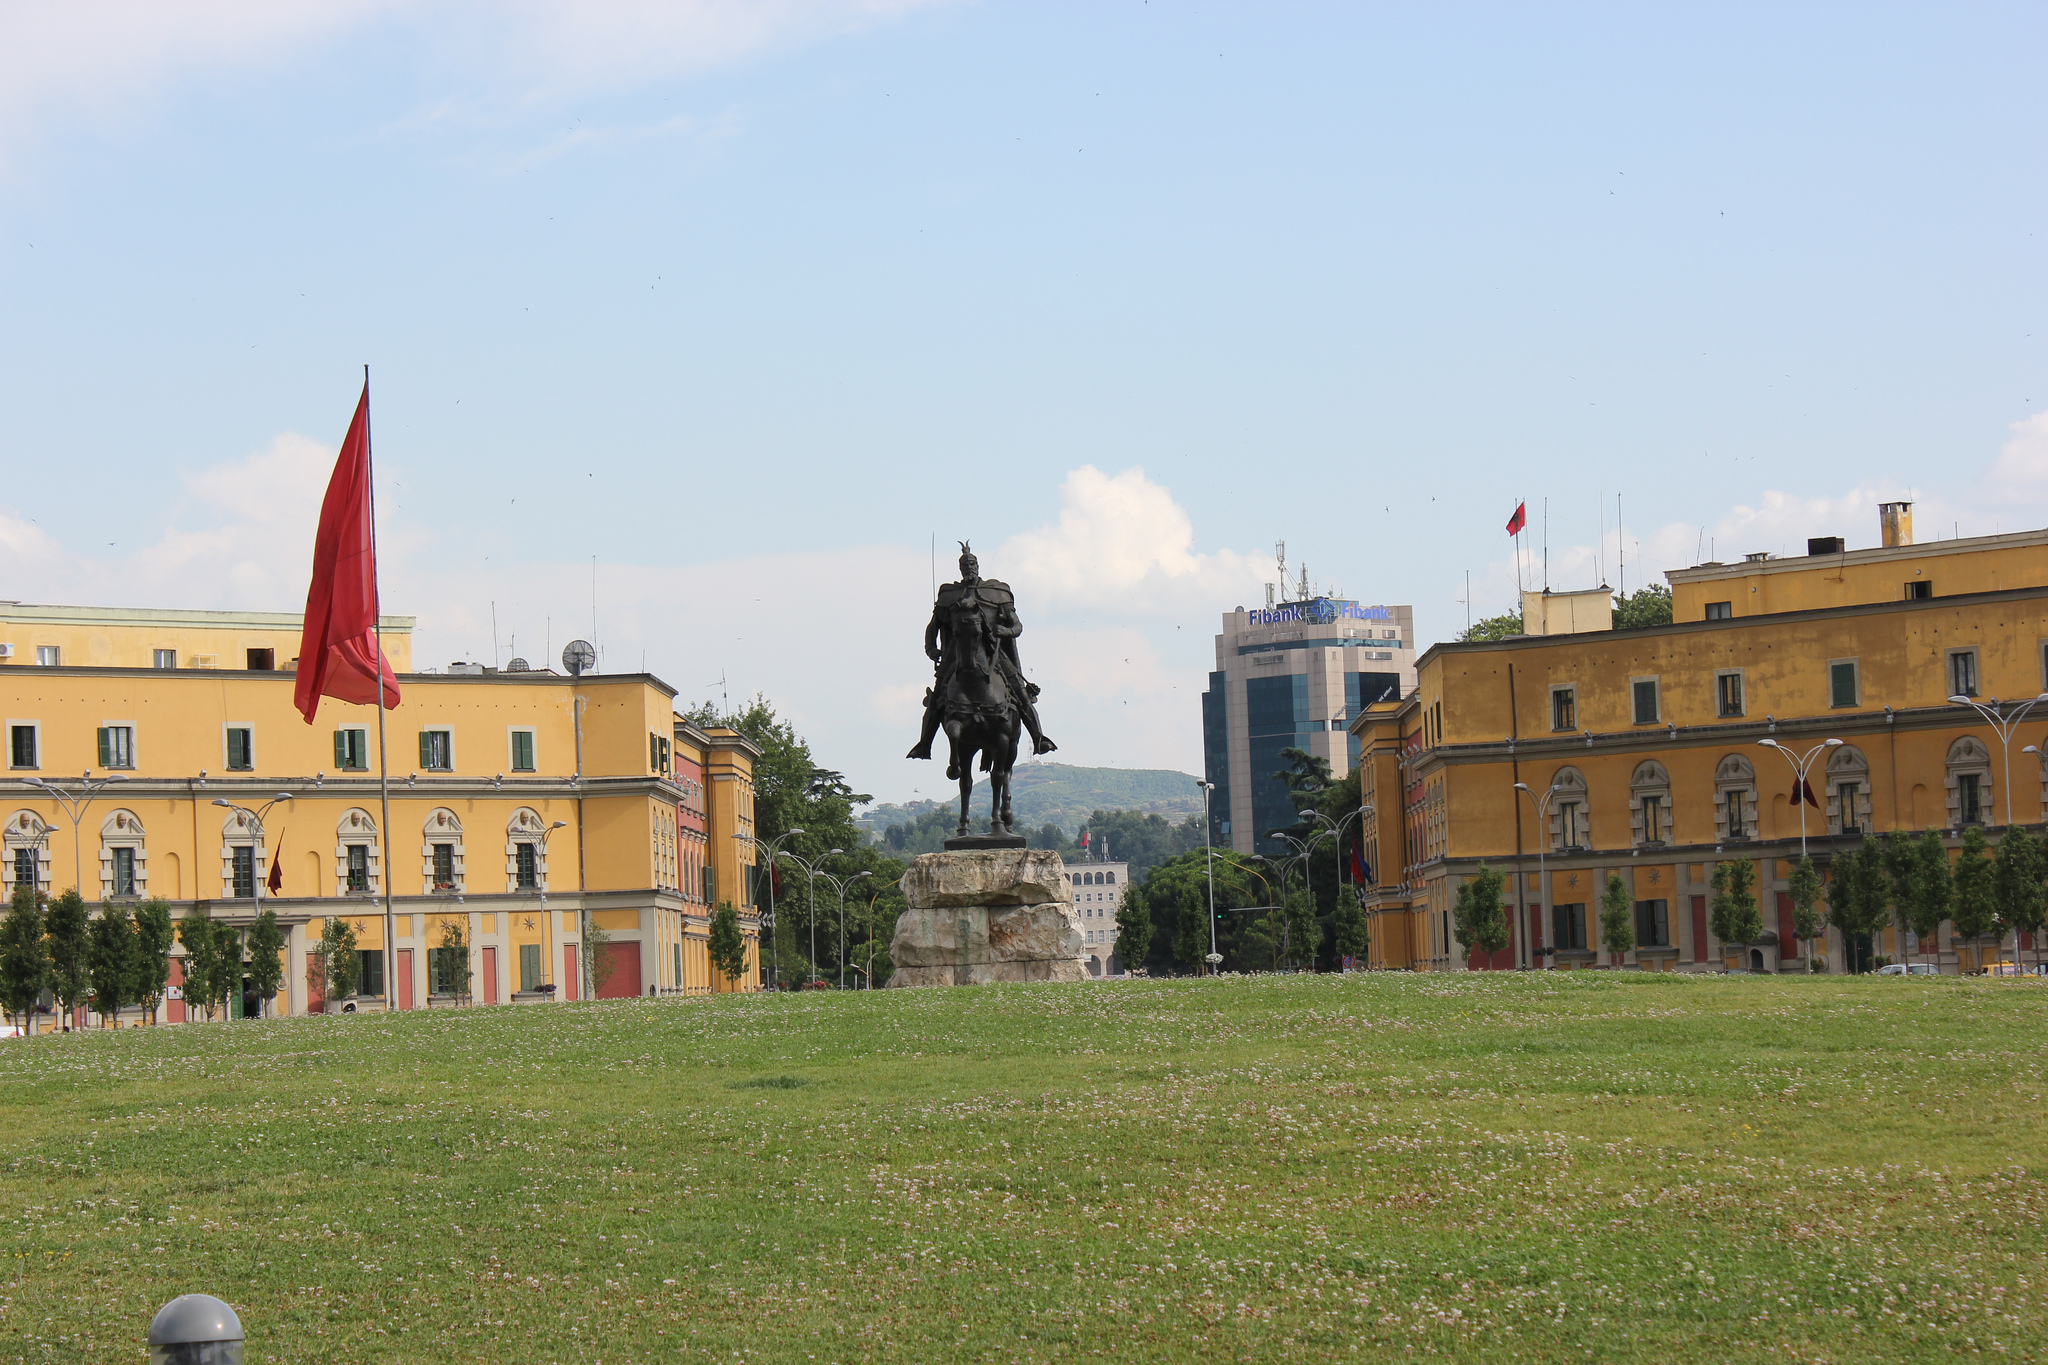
(1909, 969)
(2003, 969)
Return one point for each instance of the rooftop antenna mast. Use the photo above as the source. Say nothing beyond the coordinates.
(1280, 553)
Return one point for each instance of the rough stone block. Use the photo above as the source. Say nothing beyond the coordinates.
(1011, 876)
(984, 916)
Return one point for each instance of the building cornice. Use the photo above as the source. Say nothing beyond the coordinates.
(1876, 554)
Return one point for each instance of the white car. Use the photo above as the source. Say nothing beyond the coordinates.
(1909, 969)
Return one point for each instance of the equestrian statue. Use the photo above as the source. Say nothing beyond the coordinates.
(979, 694)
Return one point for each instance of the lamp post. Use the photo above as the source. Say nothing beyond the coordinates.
(75, 804)
(1209, 850)
(2002, 725)
(810, 867)
(1304, 849)
(840, 884)
(1542, 806)
(255, 817)
(1800, 763)
(767, 926)
(1337, 829)
(541, 884)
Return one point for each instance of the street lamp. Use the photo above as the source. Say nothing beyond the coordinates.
(541, 884)
(1800, 763)
(1337, 829)
(2002, 725)
(75, 804)
(840, 884)
(1304, 849)
(1209, 849)
(766, 927)
(255, 817)
(810, 867)
(1542, 806)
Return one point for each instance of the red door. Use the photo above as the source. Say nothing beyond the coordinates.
(489, 995)
(405, 978)
(1699, 928)
(571, 978)
(624, 981)
(174, 1010)
(316, 990)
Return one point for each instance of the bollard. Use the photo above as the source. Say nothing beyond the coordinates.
(195, 1329)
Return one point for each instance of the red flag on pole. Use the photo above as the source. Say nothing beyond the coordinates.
(1519, 519)
(338, 652)
(275, 884)
(1802, 790)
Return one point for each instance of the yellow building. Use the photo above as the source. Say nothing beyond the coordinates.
(1645, 749)
(538, 813)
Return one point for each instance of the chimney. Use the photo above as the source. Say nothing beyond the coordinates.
(1895, 523)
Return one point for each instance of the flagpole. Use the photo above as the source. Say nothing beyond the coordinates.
(383, 761)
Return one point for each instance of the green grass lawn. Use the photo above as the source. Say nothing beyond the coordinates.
(1582, 1166)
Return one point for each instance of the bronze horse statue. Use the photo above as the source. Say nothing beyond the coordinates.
(979, 695)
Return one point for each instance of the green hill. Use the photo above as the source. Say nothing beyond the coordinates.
(1064, 795)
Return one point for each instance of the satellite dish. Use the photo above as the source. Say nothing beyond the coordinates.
(517, 666)
(577, 656)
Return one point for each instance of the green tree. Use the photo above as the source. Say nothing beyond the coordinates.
(1505, 626)
(1617, 917)
(1350, 937)
(338, 969)
(597, 957)
(1299, 936)
(728, 945)
(1899, 859)
(1133, 928)
(111, 961)
(1859, 899)
(1306, 776)
(1648, 606)
(1477, 915)
(225, 977)
(66, 928)
(154, 935)
(1735, 918)
(1190, 925)
(1975, 906)
(1804, 886)
(24, 960)
(1924, 891)
(266, 957)
(195, 932)
(451, 958)
(2019, 873)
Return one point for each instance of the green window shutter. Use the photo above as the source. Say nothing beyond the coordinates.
(426, 749)
(1844, 680)
(341, 748)
(106, 748)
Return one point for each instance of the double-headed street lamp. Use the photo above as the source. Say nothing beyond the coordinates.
(1209, 848)
(1800, 763)
(840, 884)
(75, 804)
(810, 867)
(255, 817)
(766, 928)
(1304, 849)
(1542, 805)
(540, 884)
(2002, 724)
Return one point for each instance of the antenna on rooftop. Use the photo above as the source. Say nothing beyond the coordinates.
(577, 656)
(1280, 553)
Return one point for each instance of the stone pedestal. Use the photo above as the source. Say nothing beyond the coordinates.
(987, 915)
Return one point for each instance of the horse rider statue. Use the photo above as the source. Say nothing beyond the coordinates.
(975, 603)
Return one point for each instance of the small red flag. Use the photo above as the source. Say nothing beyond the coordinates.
(1519, 519)
(275, 884)
(1802, 790)
(338, 653)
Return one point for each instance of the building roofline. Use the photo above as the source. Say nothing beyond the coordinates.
(535, 678)
(167, 616)
(1515, 642)
(1876, 554)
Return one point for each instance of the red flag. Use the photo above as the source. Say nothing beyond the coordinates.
(338, 653)
(1359, 875)
(1802, 790)
(1519, 519)
(276, 880)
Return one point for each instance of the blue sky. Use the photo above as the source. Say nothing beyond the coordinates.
(749, 303)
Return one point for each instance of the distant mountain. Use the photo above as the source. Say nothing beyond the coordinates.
(1063, 795)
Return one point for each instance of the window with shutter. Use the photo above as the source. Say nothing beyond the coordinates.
(341, 748)
(437, 750)
(22, 746)
(530, 978)
(426, 748)
(1645, 692)
(522, 751)
(106, 759)
(241, 749)
(1842, 683)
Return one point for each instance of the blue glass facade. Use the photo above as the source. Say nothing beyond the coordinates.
(1216, 756)
(1277, 718)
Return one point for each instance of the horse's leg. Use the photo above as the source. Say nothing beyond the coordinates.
(966, 748)
(1005, 753)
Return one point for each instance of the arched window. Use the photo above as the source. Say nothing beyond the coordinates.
(28, 851)
(241, 856)
(1848, 793)
(1734, 799)
(1969, 782)
(358, 860)
(1109, 878)
(441, 853)
(1571, 823)
(526, 851)
(124, 869)
(1649, 804)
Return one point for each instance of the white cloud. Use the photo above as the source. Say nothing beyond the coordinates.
(1122, 546)
(100, 57)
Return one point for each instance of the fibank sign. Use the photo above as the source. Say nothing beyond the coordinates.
(1323, 611)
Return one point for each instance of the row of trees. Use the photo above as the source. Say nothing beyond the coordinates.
(1899, 875)
(121, 957)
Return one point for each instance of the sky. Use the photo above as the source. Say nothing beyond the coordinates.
(706, 330)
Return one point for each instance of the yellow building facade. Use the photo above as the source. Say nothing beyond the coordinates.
(527, 808)
(1643, 749)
